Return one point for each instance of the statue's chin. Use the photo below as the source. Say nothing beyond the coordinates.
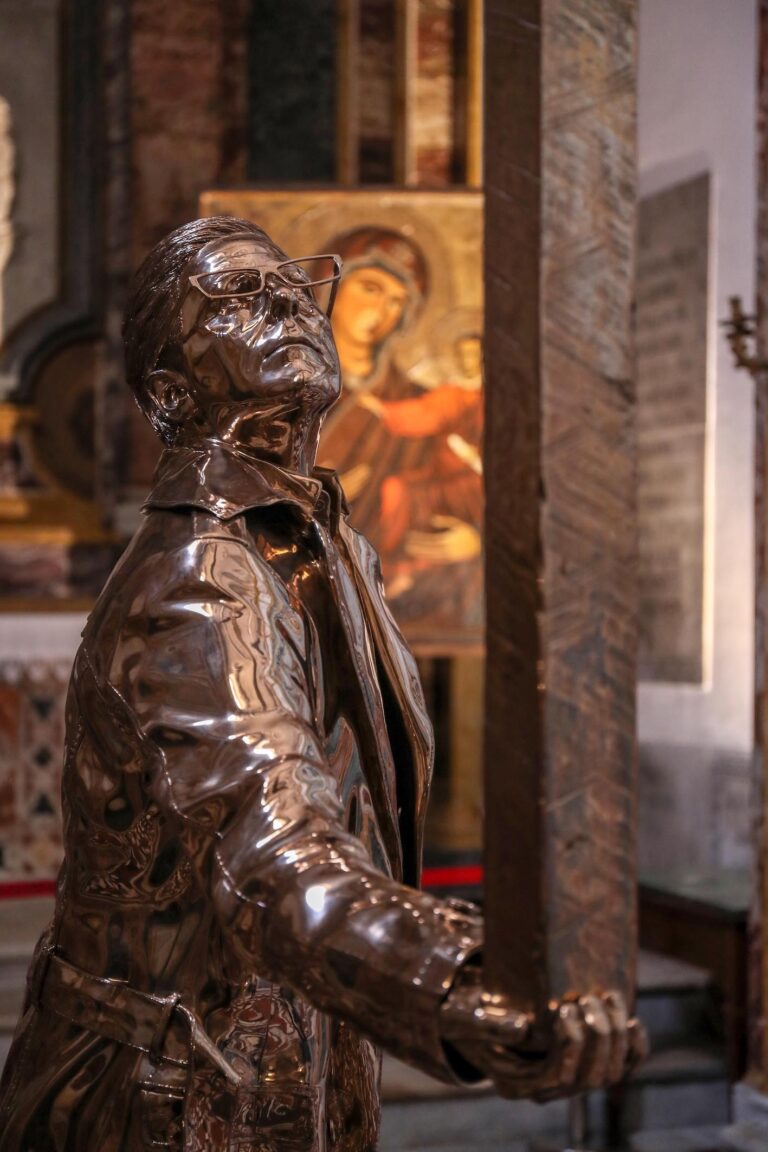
(317, 392)
(292, 366)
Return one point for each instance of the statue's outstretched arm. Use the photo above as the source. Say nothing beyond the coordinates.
(215, 667)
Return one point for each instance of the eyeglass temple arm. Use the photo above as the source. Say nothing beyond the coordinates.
(332, 297)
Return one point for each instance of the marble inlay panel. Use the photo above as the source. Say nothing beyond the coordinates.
(32, 699)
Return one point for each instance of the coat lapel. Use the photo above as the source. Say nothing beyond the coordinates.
(361, 643)
(220, 479)
(400, 668)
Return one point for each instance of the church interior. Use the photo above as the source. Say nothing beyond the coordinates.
(553, 221)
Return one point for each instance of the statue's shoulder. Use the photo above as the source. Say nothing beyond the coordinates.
(177, 547)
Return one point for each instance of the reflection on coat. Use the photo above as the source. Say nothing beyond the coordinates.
(246, 771)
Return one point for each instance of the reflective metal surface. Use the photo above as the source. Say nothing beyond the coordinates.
(247, 765)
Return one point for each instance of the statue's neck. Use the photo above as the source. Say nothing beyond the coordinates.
(288, 439)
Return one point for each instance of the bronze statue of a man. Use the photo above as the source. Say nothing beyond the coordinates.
(247, 761)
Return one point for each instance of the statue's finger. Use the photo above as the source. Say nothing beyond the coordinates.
(593, 1072)
(616, 1010)
(569, 1042)
(504, 1033)
(508, 1030)
(470, 1014)
(637, 1043)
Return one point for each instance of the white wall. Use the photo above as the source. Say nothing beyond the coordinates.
(50, 636)
(697, 97)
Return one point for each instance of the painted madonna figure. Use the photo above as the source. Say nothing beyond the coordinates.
(237, 930)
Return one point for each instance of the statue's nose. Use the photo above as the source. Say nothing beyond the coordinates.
(284, 303)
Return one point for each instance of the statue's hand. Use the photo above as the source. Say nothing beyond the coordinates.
(452, 540)
(593, 1043)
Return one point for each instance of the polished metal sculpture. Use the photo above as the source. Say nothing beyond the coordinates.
(237, 929)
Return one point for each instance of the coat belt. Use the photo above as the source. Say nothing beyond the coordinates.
(116, 1011)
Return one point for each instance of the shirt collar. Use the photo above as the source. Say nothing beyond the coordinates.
(227, 482)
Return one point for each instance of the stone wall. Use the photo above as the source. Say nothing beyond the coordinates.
(189, 90)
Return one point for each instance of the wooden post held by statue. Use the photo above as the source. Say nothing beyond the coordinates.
(560, 489)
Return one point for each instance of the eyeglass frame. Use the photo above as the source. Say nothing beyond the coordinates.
(273, 267)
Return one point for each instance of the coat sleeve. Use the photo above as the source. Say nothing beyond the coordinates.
(212, 664)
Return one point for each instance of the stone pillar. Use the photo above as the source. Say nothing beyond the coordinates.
(758, 1045)
(560, 490)
(751, 1096)
(188, 126)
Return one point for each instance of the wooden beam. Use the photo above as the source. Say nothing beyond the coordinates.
(292, 91)
(474, 142)
(348, 92)
(560, 490)
(406, 49)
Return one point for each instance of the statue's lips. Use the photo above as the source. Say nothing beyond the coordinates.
(295, 353)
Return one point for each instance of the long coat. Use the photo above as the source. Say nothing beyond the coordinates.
(246, 772)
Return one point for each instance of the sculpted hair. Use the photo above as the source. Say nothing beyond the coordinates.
(152, 317)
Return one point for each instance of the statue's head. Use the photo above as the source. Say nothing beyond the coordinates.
(225, 336)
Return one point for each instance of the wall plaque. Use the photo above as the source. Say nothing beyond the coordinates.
(673, 246)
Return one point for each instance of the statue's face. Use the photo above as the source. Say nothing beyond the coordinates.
(273, 350)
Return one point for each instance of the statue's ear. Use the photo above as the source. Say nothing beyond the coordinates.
(168, 395)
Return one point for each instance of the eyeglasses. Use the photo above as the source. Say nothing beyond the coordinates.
(317, 274)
